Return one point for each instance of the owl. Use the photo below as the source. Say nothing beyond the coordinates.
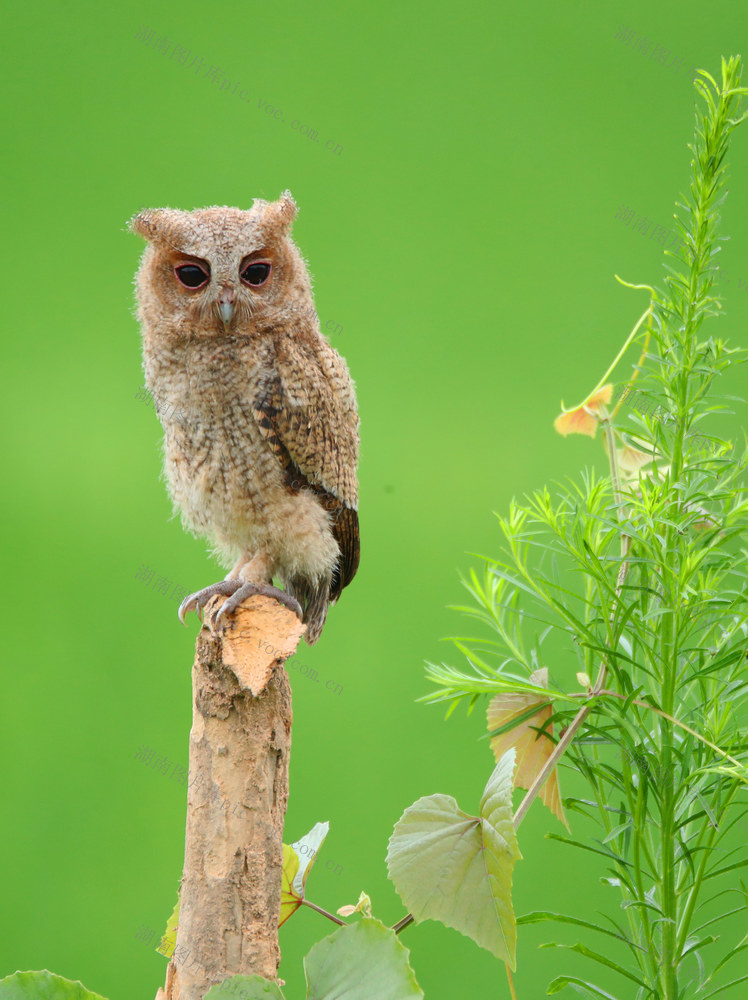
(258, 410)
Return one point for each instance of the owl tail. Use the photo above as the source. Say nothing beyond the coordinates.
(314, 600)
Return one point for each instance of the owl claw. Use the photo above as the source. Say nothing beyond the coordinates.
(248, 589)
(237, 592)
(198, 600)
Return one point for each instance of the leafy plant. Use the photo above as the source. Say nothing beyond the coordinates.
(640, 577)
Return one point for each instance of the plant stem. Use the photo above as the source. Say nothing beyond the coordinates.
(710, 149)
(669, 901)
(550, 763)
(406, 921)
(330, 916)
(511, 982)
(620, 354)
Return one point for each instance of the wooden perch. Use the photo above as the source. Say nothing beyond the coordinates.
(236, 802)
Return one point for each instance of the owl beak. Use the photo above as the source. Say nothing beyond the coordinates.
(226, 309)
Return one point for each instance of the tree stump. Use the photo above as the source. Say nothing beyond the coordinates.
(240, 747)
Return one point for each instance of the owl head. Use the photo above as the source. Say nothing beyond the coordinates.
(220, 270)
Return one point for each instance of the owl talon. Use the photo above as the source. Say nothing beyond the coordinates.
(248, 590)
(198, 600)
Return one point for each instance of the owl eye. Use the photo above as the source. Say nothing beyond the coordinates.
(256, 273)
(191, 275)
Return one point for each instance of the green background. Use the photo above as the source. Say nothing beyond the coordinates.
(463, 238)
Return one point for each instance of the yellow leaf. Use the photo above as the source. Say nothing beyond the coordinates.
(290, 900)
(298, 859)
(533, 748)
(583, 419)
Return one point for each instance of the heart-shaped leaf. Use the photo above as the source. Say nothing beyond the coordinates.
(456, 868)
(362, 961)
(244, 988)
(43, 986)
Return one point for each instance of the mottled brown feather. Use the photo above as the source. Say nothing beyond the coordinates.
(307, 398)
(298, 440)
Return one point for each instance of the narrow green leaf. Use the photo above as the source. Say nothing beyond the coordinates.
(730, 955)
(543, 916)
(692, 946)
(616, 832)
(582, 949)
(583, 987)
(517, 720)
(587, 847)
(720, 991)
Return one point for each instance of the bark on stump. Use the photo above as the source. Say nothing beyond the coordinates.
(236, 802)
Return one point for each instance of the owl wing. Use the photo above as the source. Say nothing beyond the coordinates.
(305, 408)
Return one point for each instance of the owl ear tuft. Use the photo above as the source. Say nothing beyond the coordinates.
(144, 223)
(153, 224)
(288, 209)
(281, 214)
